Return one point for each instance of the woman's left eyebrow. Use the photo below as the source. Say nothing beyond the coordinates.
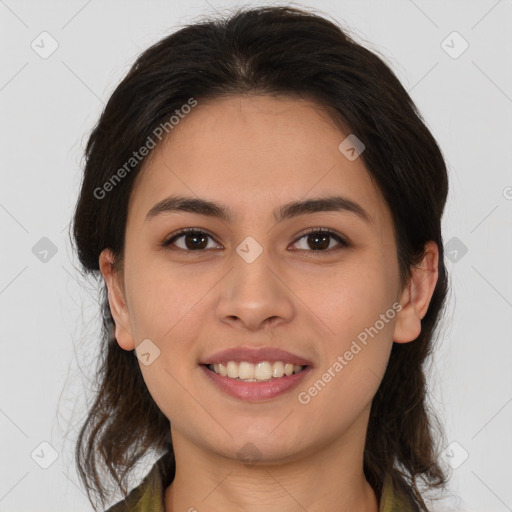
(209, 208)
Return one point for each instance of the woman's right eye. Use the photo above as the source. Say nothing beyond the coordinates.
(193, 240)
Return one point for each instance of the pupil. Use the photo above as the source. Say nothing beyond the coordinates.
(195, 237)
(324, 238)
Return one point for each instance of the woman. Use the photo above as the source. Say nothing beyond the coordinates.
(263, 202)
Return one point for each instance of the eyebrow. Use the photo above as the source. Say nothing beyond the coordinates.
(287, 211)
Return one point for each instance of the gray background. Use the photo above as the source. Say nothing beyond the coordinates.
(48, 312)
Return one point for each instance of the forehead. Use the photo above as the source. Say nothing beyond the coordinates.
(253, 153)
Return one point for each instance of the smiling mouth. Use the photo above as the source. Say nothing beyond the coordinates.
(263, 371)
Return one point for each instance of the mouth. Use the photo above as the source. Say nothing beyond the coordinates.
(255, 382)
(263, 371)
(255, 374)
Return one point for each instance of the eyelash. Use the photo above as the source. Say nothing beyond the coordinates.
(322, 231)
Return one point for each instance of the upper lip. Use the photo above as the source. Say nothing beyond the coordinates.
(255, 355)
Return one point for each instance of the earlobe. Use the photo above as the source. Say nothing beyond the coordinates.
(116, 300)
(416, 296)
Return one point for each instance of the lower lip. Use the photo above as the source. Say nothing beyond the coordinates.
(255, 391)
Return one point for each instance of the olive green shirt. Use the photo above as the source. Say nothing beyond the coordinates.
(149, 495)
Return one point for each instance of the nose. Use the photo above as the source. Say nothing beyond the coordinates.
(255, 294)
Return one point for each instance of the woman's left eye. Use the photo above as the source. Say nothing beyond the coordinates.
(317, 239)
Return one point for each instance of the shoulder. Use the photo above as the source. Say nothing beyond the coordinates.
(395, 500)
(148, 496)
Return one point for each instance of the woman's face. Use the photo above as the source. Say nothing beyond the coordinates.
(258, 280)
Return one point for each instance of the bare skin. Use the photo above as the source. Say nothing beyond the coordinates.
(254, 154)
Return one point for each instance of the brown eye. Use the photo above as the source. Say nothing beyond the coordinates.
(320, 240)
(193, 240)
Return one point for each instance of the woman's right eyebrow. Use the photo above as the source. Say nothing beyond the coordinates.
(201, 206)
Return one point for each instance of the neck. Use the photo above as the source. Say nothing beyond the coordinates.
(330, 478)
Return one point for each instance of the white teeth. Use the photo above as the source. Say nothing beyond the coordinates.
(246, 371)
(288, 368)
(232, 368)
(249, 372)
(278, 369)
(262, 371)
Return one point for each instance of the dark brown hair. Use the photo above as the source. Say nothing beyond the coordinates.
(282, 51)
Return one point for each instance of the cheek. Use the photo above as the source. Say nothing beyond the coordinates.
(354, 361)
(165, 307)
(348, 300)
(355, 314)
(163, 299)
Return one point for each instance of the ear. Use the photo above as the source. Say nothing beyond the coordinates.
(117, 300)
(415, 297)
